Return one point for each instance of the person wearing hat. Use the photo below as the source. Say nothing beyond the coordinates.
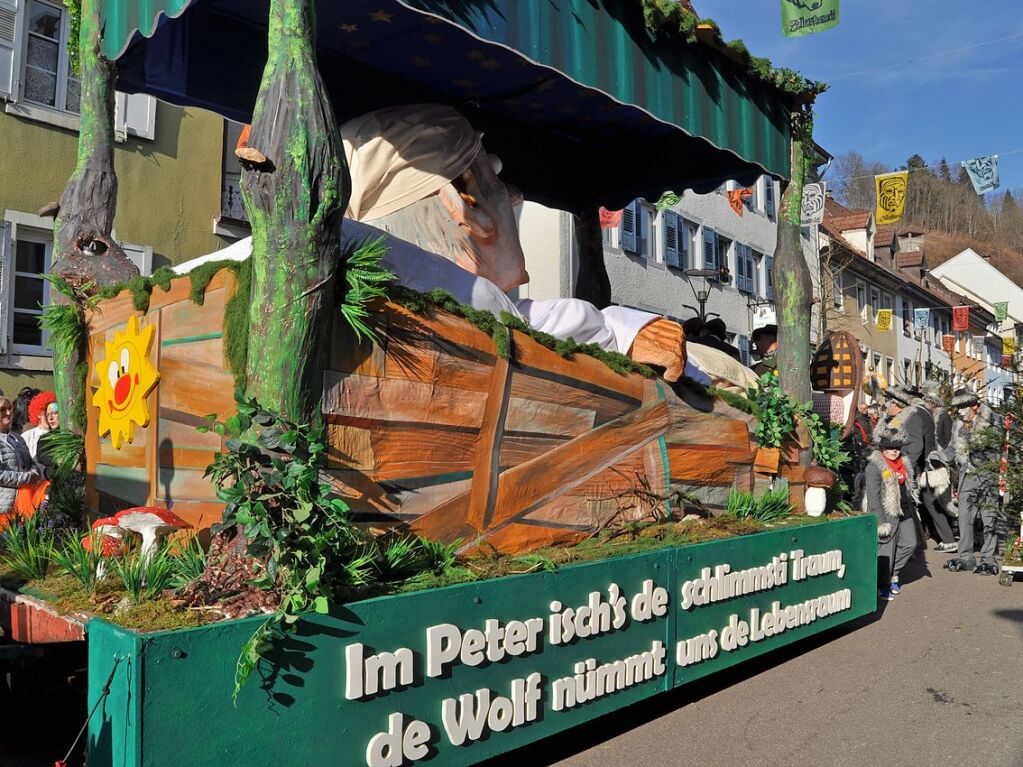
(890, 494)
(714, 334)
(765, 343)
(975, 442)
(935, 484)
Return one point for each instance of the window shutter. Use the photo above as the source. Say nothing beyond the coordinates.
(745, 351)
(671, 235)
(6, 280)
(11, 22)
(769, 196)
(140, 255)
(627, 230)
(684, 257)
(710, 250)
(134, 115)
(769, 279)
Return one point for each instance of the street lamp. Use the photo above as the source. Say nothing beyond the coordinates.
(721, 274)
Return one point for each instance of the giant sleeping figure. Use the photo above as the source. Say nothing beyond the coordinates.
(421, 173)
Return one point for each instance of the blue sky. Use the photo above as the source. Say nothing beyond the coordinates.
(956, 106)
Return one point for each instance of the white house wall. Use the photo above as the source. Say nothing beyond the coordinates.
(971, 274)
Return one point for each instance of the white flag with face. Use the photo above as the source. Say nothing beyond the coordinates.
(812, 211)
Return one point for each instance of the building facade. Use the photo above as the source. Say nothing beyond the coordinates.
(169, 163)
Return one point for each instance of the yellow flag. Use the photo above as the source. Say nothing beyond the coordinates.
(891, 196)
(1008, 345)
(884, 320)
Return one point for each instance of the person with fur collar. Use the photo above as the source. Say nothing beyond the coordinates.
(890, 494)
(975, 440)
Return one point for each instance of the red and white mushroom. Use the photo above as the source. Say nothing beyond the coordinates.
(106, 532)
(150, 522)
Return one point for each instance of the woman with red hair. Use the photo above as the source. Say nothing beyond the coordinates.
(39, 418)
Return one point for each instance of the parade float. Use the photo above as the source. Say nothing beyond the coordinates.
(414, 416)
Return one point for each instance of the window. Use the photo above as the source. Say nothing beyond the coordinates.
(48, 78)
(673, 237)
(745, 269)
(875, 303)
(687, 246)
(861, 299)
(645, 230)
(891, 370)
(745, 350)
(907, 319)
(769, 197)
(836, 289)
(710, 248)
(886, 301)
(627, 229)
(724, 256)
(32, 254)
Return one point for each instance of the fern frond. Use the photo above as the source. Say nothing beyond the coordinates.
(366, 281)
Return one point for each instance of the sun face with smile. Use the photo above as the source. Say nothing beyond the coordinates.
(125, 379)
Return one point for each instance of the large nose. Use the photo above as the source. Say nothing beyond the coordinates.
(122, 388)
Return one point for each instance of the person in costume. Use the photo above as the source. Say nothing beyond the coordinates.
(19, 477)
(935, 482)
(976, 443)
(39, 419)
(890, 494)
(765, 342)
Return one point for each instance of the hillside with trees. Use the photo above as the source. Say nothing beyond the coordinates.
(940, 200)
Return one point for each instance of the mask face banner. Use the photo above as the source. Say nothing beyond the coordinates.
(921, 318)
(610, 219)
(884, 320)
(812, 208)
(807, 17)
(737, 198)
(960, 318)
(983, 173)
(1001, 311)
(948, 343)
(890, 189)
(978, 345)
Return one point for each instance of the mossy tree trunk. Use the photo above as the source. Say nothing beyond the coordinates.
(86, 251)
(294, 203)
(793, 286)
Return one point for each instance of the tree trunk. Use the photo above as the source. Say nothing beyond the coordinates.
(793, 287)
(294, 203)
(86, 252)
(592, 283)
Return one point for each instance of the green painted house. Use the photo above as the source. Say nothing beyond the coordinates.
(173, 182)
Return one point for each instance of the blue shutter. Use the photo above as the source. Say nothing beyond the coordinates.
(769, 279)
(769, 197)
(11, 21)
(710, 248)
(745, 351)
(671, 236)
(6, 284)
(684, 257)
(627, 230)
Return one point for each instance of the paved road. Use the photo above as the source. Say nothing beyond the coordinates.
(934, 678)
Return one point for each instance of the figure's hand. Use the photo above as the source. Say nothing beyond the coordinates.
(662, 343)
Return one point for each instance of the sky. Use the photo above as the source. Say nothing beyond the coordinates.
(958, 105)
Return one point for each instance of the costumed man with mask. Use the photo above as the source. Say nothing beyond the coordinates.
(935, 481)
(765, 341)
(890, 494)
(977, 437)
(908, 416)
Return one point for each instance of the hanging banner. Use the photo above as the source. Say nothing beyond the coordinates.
(736, 198)
(948, 343)
(610, 219)
(921, 318)
(806, 17)
(812, 209)
(890, 189)
(983, 173)
(884, 320)
(960, 318)
(668, 200)
(978, 346)
(1001, 311)
(1008, 346)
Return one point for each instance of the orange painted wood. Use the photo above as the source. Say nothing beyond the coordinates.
(440, 324)
(516, 449)
(185, 319)
(153, 403)
(30, 621)
(117, 310)
(533, 388)
(175, 435)
(706, 465)
(363, 356)
(184, 458)
(423, 360)
(547, 418)
(517, 539)
(532, 354)
(485, 464)
(395, 400)
(201, 515)
(92, 426)
(349, 447)
(402, 452)
(129, 455)
(559, 470)
(196, 389)
(180, 484)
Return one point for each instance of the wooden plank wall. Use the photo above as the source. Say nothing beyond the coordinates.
(164, 464)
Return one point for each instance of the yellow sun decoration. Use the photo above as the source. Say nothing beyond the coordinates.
(125, 379)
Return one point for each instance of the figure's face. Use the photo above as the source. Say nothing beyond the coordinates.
(892, 454)
(970, 413)
(52, 417)
(483, 205)
(6, 416)
(894, 408)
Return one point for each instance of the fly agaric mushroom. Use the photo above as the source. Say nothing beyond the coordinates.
(108, 535)
(818, 480)
(150, 522)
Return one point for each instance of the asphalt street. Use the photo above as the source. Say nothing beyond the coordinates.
(933, 678)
